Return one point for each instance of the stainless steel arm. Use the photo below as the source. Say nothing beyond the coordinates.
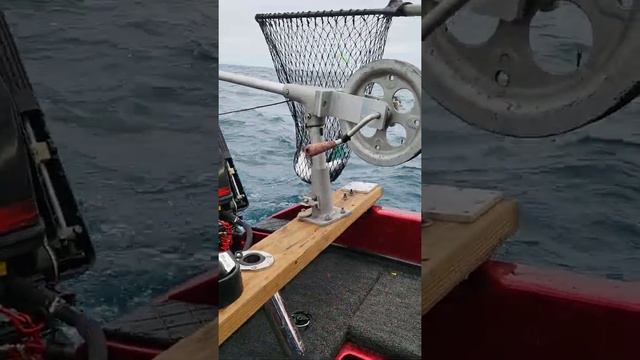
(412, 9)
(318, 102)
(266, 85)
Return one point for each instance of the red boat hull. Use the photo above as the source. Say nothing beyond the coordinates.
(507, 311)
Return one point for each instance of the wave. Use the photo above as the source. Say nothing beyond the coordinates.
(589, 140)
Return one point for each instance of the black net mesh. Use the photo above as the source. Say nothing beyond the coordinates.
(322, 49)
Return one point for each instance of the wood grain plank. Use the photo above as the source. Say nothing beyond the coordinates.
(451, 251)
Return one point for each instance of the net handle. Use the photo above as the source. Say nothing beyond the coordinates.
(394, 8)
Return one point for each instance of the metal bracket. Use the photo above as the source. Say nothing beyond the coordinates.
(326, 219)
(309, 201)
(359, 187)
(352, 108)
(68, 232)
(454, 204)
(40, 151)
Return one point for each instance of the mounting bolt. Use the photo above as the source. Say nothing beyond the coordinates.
(327, 217)
(344, 196)
(308, 116)
(502, 78)
(342, 211)
(351, 192)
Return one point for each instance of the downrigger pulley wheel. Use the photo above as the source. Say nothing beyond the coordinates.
(499, 85)
(399, 85)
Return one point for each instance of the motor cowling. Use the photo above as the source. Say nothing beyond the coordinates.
(21, 228)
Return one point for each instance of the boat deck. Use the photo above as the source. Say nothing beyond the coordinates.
(161, 324)
(350, 296)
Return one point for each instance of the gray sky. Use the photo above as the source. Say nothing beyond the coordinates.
(241, 41)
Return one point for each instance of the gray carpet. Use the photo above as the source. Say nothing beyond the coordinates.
(371, 301)
(386, 321)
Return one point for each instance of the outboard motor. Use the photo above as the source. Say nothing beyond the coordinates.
(234, 233)
(43, 238)
(21, 227)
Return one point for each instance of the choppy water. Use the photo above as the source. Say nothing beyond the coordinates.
(128, 89)
(579, 194)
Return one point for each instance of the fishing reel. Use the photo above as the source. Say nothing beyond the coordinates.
(497, 82)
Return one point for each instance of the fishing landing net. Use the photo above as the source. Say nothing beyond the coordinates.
(324, 49)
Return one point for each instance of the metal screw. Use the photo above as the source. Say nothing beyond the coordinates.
(351, 192)
(308, 115)
(327, 217)
(342, 211)
(344, 196)
(502, 78)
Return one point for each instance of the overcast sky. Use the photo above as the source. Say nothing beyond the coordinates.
(242, 42)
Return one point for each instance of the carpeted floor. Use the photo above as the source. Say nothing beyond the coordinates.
(368, 300)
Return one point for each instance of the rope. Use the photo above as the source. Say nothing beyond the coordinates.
(253, 108)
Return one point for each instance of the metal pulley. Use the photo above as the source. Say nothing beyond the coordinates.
(399, 85)
(497, 84)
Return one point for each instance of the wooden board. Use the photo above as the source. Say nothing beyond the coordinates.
(201, 345)
(294, 246)
(451, 251)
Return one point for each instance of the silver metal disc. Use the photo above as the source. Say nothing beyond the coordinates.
(399, 84)
(498, 86)
(255, 260)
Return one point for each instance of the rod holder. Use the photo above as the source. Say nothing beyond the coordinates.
(284, 329)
